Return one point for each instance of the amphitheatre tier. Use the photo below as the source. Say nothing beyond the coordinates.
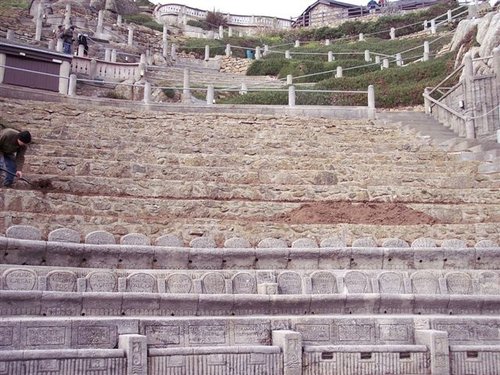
(250, 176)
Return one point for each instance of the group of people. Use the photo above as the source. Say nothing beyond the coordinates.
(68, 38)
(13, 146)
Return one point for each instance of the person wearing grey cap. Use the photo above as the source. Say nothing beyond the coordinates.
(13, 145)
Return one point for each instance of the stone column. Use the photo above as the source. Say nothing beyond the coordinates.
(385, 63)
(93, 69)
(291, 344)
(119, 20)
(327, 42)
(107, 55)
(244, 89)
(393, 33)
(230, 32)
(425, 25)
(207, 52)
(257, 53)
(297, 44)
(367, 56)
(113, 55)
(399, 59)
(426, 51)
(72, 85)
(469, 100)
(67, 16)
(450, 18)
(64, 72)
(287, 55)
(81, 50)
(165, 40)
(371, 102)
(186, 91)
(433, 26)
(361, 37)
(210, 95)
(228, 50)
(38, 29)
(377, 59)
(173, 52)
(221, 32)
(289, 79)
(135, 347)
(266, 49)
(330, 56)
(100, 21)
(496, 63)
(339, 72)
(130, 36)
(291, 96)
(147, 92)
(52, 44)
(427, 102)
(438, 345)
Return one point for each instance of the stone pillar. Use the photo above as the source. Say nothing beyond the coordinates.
(371, 102)
(52, 44)
(230, 31)
(221, 32)
(135, 347)
(327, 42)
(291, 344)
(367, 56)
(81, 50)
(93, 69)
(393, 33)
(377, 59)
(228, 50)
(496, 63)
(361, 37)
(450, 18)
(385, 63)
(3, 59)
(147, 92)
(339, 72)
(426, 51)
(72, 85)
(266, 49)
(59, 45)
(67, 16)
(433, 26)
(119, 20)
(186, 91)
(107, 54)
(257, 53)
(289, 79)
(297, 44)
(207, 52)
(11, 35)
(425, 25)
(165, 40)
(38, 29)
(438, 345)
(210, 95)
(113, 55)
(287, 55)
(64, 72)
(244, 89)
(130, 36)
(399, 59)
(330, 56)
(100, 22)
(173, 52)
(291, 96)
(427, 102)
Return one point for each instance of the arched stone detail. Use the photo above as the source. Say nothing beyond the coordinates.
(24, 232)
(65, 235)
(395, 243)
(100, 237)
(305, 243)
(203, 243)
(237, 243)
(425, 282)
(169, 240)
(423, 242)
(274, 243)
(138, 239)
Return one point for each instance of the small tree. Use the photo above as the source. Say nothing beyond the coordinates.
(215, 19)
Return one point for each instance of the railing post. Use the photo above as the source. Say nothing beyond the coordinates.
(173, 52)
(165, 40)
(367, 56)
(59, 45)
(38, 29)
(385, 63)
(496, 63)
(186, 91)
(399, 59)
(221, 32)
(377, 59)
(107, 55)
(371, 102)
(93, 69)
(119, 20)
(433, 26)
(450, 18)
(136, 352)
(287, 54)
(113, 55)
(291, 96)
(470, 129)
(289, 79)
(330, 56)
(266, 49)
(207, 52)
(327, 42)
(72, 85)
(100, 22)
(11, 35)
(210, 95)
(244, 89)
(230, 31)
(67, 16)
(427, 102)
(228, 50)
(147, 92)
(257, 53)
(426, 51)
(81, 50)
(130, 40)
(297, 44)
(361, 37)
(393, 33)
(425, 25)
(339, 72)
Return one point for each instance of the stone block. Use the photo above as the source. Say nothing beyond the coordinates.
(334, 258)
(179, 283)
(487, 258)
(431, 304)
(333, 242)
(454, 244)
(101, 281)
(438, 345)
(215, 305)
(64, 235)
(323, 282)
(303, 258)
(169, 240)
(10, 335)
(24, 232)
(460, 258)
(364, 242)
(356, 282)
(135, 347)
(431, 258)
(61, 304)
(237, 243)
(355, 331)
(366, 258)
(102, 256)
(94, 334)
(205, 258)
(490, 305)
(46, 335)
(314, 332)
(424, 242)
(22, 279)
(178, 304)
(61, 281)
(249, 304)
(139, 257)
(244, 283)
(171, 258)
(397, 303)
(213, 283)
(269, 259)
(140, 304)
(13, 302)
(425, 282)
(161, 334)
(3, 243)
(362, 303)
(397, 332)
(138, 239)
(25, 252)
(65, 253)
(328, 304)
(267, 288)
(102, 303)
(390, 282)
(291, 304)
(238, 258)
(100, 237)
(398, 259)
(291, 345)
(462, 304)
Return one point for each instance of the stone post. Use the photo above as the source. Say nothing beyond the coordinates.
(135, 347)
(3, 59)
(377, 59)
(327, 42)
(107, 55)
(339, 72)
(427, 102)
(11, 35)
(113, 55)
(438, 345)
(221, 32)
(165, 40)
(291, 96)
(38, 29)
(59, 45)
(67, 16)
(81, 50)
(130, 36)
(207, 52)
(93, 69)
(244, 89)
(371, 102)
(399, 59)
(119, 20)
(330, 56)
(291, 345)
(393, 33)
(100, 22)
(289, 79)
(257, 53)
(64, 72)
(186, 91)
(385, 63)
(72, 85)
(230, 31)
(433, 26)
(228, 50)
(173, 52)
(297, 44)
(361, 37)
(147, 92)
(367, 56)
(52, 44)
(468, 78)
(450, 18)
(287, 54)
(426, 51)
(496, 63)
(266, 49)
(425, 25)
(210, 95)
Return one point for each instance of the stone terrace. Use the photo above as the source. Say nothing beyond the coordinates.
(254, 177)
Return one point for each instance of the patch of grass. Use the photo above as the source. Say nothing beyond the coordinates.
(144, 20)
(20, 4)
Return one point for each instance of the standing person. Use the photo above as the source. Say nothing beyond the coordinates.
(82, 39)
(13, 145)
(68, 39)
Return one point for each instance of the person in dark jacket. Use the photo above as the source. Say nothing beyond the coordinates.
(68, 39)
(13, 145)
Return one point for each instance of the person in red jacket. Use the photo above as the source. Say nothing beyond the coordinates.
(13, 145)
